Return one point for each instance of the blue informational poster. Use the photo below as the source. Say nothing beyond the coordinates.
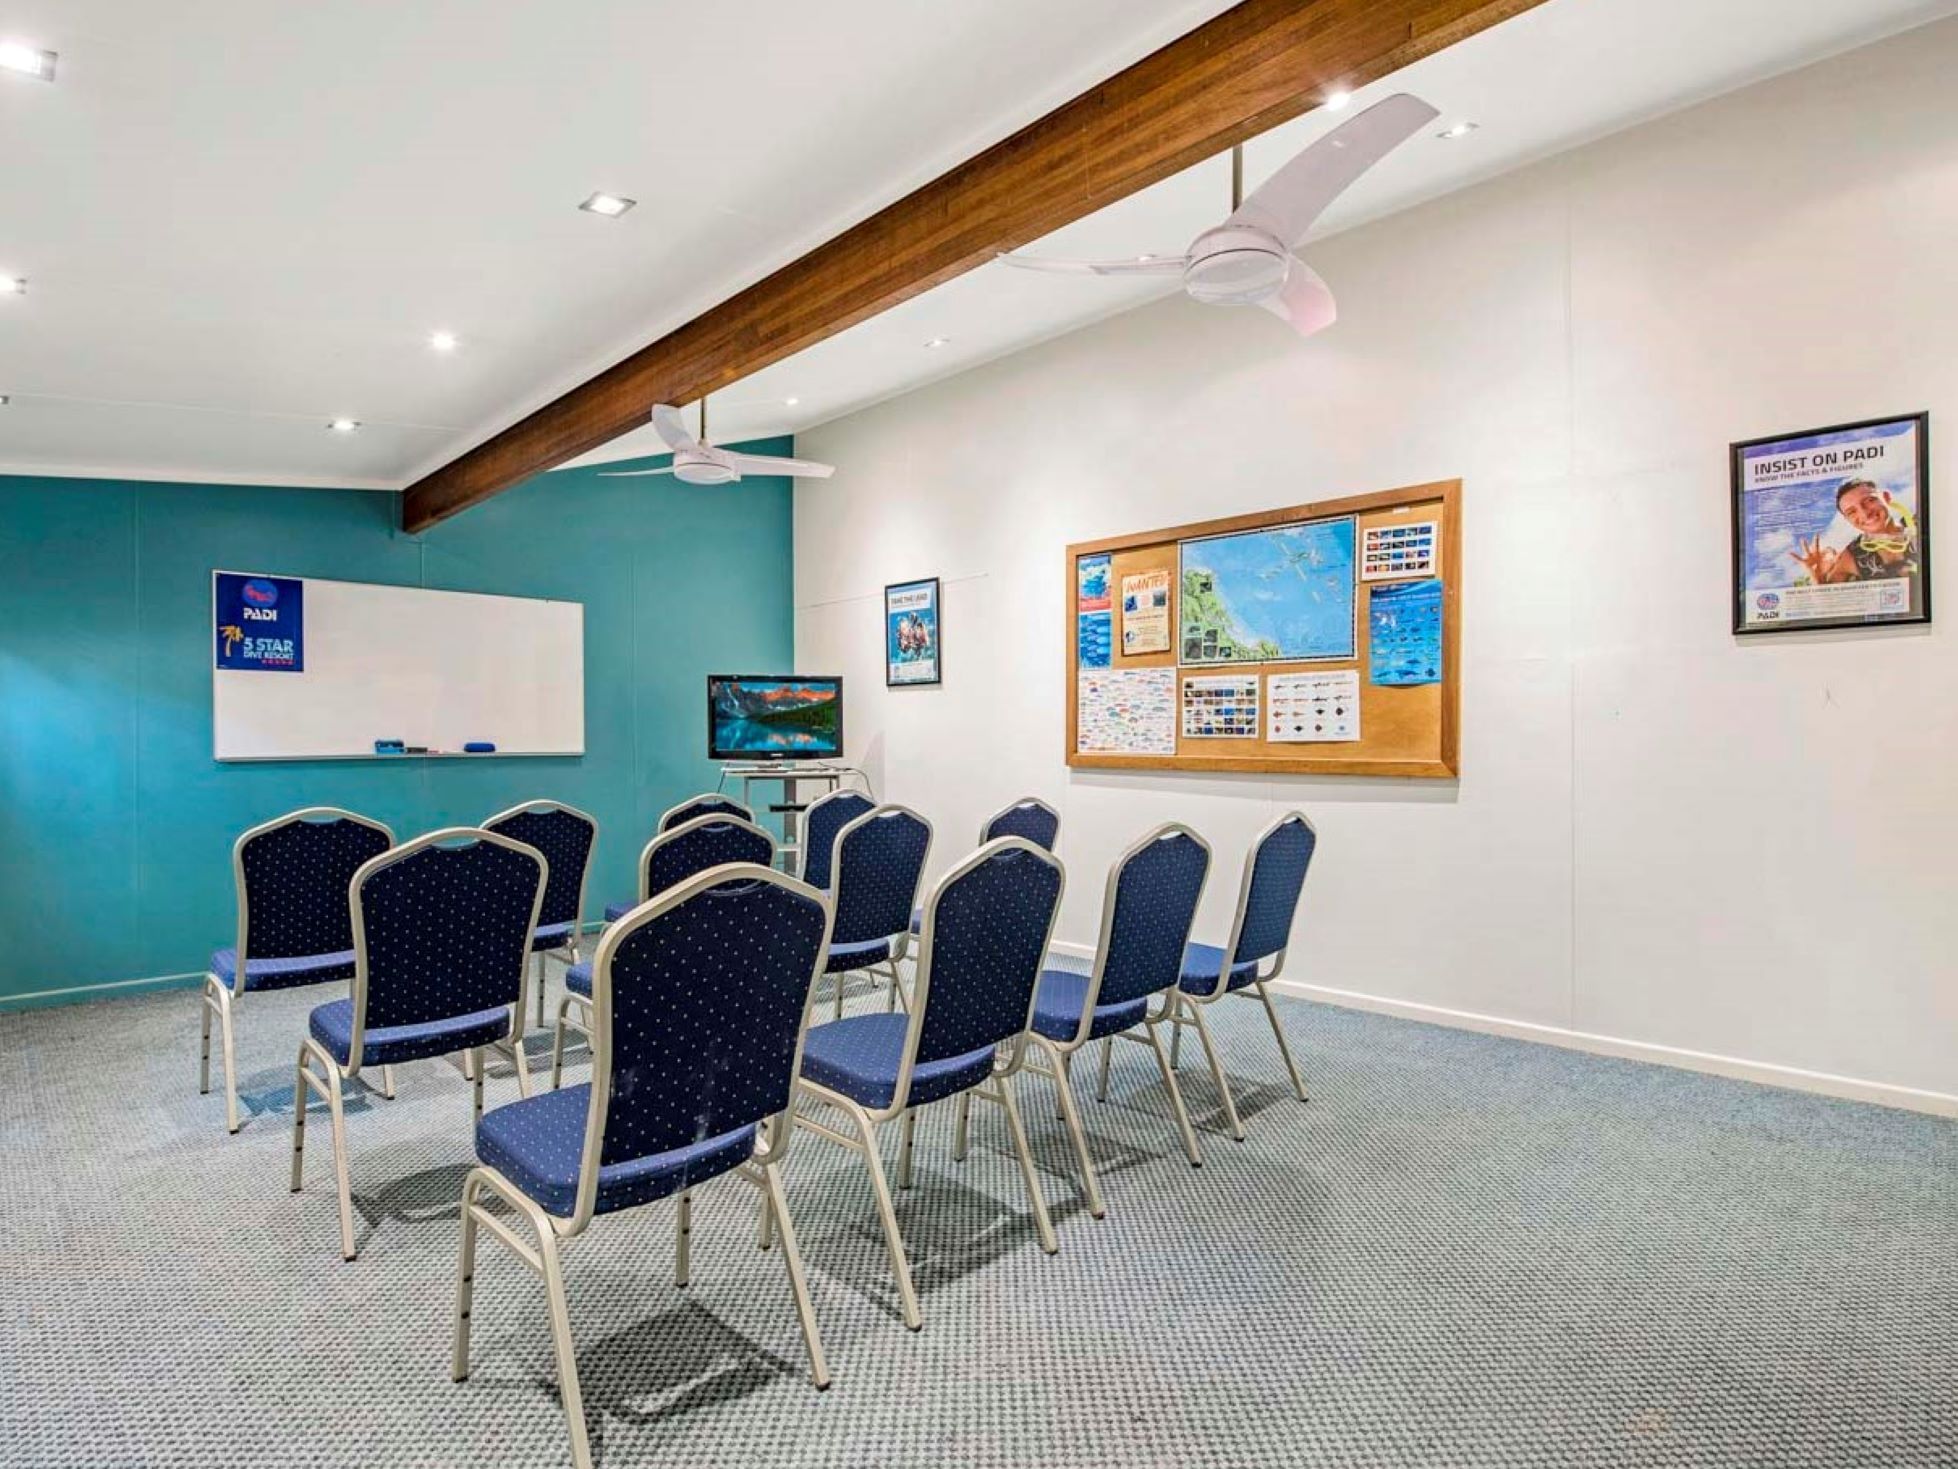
(1404, 632)
(260, 623)
(1094, 637)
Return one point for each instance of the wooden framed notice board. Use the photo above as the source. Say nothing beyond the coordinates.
(1315, 639)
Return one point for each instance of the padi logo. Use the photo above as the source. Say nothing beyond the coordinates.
(1768, 601)
(259, 598)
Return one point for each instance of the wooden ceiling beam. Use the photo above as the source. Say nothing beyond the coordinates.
(1258, 64)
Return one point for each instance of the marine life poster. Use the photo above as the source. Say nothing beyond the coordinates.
(1283, 595)
(1308, 708)
(1127, 711)
(1404, 633)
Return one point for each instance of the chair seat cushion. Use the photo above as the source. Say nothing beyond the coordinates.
(278, 974)
(333, 1027)
(615, 911)
(917, 920)
(551, 936)
(859, 1057)
(1057, 1008)
(845, 957)
(538, 1145)
(577, 979)
(1201, 962)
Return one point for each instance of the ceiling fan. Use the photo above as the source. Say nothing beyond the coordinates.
(1248, 259)
(699, 463)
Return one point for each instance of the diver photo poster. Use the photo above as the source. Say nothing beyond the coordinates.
(1832, 527)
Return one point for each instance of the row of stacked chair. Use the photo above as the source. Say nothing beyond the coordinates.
(697, 1005)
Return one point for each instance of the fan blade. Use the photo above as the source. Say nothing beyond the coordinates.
(745, 464)
(632, 473)
(1304, 300)
(1286, 205)
(1137, 265)
(667, 424)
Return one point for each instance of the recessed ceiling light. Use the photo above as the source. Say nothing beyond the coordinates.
(1336, 100)
(1459, 130)
(27, 60)
(344, 425)
(938, 341)
(4, 400)
(791, 402)
(442, 341)
(13, 285)
(609, 205)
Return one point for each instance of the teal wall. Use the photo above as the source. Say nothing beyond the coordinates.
(116, 824)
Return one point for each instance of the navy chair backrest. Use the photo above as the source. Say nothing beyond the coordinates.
(986, 933)
(1151, 904)
(293, 876)
(880, 859)
(443, 926)
(1271, 897)
(701, 1000)
(821, 822)
(1032, 819)
(566, 838)
(707, 805)
(706, 841)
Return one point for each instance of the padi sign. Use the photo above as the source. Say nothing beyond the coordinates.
(259, 622)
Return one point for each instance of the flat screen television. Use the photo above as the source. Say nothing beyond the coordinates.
(774, 716)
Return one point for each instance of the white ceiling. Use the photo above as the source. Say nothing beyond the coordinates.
(241, 220)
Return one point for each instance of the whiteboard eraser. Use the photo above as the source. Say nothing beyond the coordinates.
(388, 747)
(478, 747)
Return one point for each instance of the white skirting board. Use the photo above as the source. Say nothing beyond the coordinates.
(1847, 1088)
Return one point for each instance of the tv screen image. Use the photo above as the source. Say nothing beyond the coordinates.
(774, 717)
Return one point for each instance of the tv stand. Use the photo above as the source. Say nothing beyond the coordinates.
(790, 775)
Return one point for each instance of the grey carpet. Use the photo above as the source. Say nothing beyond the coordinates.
(1463, 1252)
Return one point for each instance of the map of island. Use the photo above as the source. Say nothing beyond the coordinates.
(1269, 596)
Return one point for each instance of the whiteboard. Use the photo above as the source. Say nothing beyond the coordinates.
(428, 668)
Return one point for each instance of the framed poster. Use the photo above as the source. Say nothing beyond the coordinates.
(1832, 527)
(259, 622)
(911, 633)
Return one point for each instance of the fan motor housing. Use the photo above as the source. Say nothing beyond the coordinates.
(702, 469)
(1235, 264)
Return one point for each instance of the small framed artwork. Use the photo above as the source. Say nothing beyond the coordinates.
(1832, 527)
(912, 652)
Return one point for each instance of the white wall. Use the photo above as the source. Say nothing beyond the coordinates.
(1663, 835)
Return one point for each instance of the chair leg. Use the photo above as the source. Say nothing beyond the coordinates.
(842, 983)
(777, 1206)
(683, 1240)
(327, 1079)
(1064, 1096)
(1217, 1073)
(540, 991)
(1175, 1094)
(1063, 1077)
(1041, 1222)
(1175, 1032)
(900, 1266)
(217, 997)
(1107, 1054)
(476, 1078)
(958, 1132)
(468, 1065)
(766, 1231)
(557, 1044)
(465, 1281)
(567, 1357)
(387, 1082)
(1284, 1048)
(301, 1095)
(204, 1055)
(904, 1147)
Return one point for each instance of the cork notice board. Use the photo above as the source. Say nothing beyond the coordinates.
(1315, 639)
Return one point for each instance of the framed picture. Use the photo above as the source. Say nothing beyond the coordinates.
(1832, 527)
(912, 654)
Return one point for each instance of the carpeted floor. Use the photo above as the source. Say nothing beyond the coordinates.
(1463, 1252)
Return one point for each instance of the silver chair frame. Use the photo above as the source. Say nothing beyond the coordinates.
(327, 1076)
(998, 1089)
(571, 953)
(1061, 1053)
(763, 1170)
(802, 859)
(1188, 1009)
(570, 1001)
(900, 942)
(220, 1000)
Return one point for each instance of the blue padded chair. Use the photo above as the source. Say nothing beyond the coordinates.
(987, 927)
(566, 836)
(879, 862)
(700, 1003)
(1146, 913)
(442, 933)
(1029, 817)
(670, 858)
(294, 925)
(1274, 872)
(821, 824)
(710, 803)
